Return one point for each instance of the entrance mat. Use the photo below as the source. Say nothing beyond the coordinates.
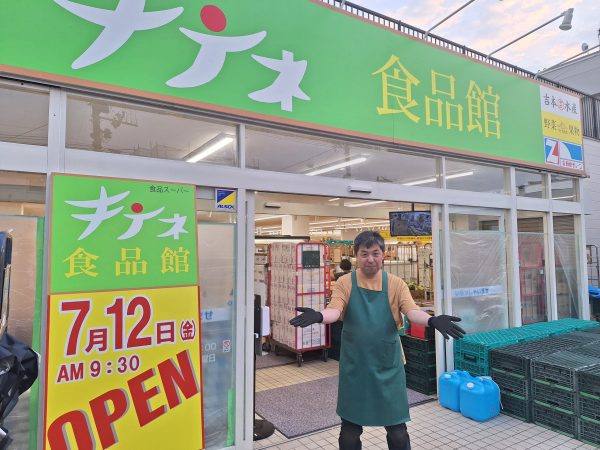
(272, 360)
(283, 357)
(305, 408)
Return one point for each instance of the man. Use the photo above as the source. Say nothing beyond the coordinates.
(345, 267)
(372, 382)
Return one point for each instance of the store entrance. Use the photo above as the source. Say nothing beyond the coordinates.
(303, 247)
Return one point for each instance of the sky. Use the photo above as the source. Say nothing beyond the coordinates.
(486, 25)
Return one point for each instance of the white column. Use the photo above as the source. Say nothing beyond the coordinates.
(584, 305)
(295, 225)
(513, 273)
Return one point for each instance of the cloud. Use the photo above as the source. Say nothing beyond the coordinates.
(486, 25)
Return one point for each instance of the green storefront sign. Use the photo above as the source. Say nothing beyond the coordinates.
(120, 234)
(292, 61)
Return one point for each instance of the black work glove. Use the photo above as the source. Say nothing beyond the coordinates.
(308, 317)
(445, 325)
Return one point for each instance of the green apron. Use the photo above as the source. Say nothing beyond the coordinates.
(372, 386)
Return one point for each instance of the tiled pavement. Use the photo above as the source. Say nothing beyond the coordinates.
(432, 427)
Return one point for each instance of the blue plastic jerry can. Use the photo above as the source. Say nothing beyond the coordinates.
(449, 387)
(480, 399)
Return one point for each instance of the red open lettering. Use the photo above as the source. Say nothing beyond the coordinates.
(140, 397)
(103, 419)
(57, 436)
(184, 378)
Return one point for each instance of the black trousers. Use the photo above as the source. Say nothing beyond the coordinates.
(397, 436)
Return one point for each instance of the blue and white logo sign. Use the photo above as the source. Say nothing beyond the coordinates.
(225, 199)
(563, 154)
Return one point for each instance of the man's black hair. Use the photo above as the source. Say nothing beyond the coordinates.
(368, 239)
(345, 264)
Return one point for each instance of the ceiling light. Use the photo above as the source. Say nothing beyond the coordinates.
(375, 202)
(270, 228)
(333, 199)
(425, 181)
(267, 218)
(336, 166)
(334, 221)
(431, 180)
(209, 147)
(459, 175)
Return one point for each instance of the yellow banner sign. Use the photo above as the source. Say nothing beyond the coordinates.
(124, 370)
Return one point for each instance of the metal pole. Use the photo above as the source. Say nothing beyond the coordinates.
(447, 17)
(526, 34)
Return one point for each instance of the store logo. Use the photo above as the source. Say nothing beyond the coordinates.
(225, 199)
(563, 154)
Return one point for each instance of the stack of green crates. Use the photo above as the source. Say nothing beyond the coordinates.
(472, 352)
(511, 369)
(420, 364)
(589, 405)
(555, 386)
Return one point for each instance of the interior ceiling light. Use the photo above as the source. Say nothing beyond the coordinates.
(334, 221)
(431, 180)
(267, 218)
(208, 148)
(336, 166)
(374, 202)
(333, 199)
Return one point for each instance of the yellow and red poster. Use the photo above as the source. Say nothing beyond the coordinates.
(123, 350)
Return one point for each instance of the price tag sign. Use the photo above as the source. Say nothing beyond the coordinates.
(123, 363)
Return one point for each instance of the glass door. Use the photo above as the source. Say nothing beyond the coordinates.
(478, 269)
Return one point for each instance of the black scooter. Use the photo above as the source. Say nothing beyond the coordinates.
(18, 362)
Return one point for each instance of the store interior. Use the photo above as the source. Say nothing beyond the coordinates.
(303, 244)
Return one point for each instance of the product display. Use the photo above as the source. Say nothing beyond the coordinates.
(298, 277)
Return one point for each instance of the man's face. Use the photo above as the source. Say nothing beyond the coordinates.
(370, 260)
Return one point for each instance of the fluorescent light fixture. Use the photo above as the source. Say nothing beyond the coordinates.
(270, 228)
(431, 180)
(336, 166)
(267, 218)
(460, 175)
(424, 181)
(562, 198)
(208, 148)
(374, 202)
(333, 199)
(334, 221)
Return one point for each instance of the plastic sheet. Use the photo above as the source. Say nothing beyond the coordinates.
(567, 275)
(478, 268)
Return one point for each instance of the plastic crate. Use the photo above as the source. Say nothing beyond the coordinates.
(582, 336)
(512, 383)
(560, 368)
(427, 386)
(481, 359)
(555, 396)
(474, 369)
(515, 406)
(589, 406)
(592, 349)
(556, 420)
(517, 358)
(589, 380)
(409, 342)
(418, 356)
(578, 324)
(423, 370)
(590, 432)
(595, 330)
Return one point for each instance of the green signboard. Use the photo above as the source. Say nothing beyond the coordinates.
(120, 234)
(298, 62)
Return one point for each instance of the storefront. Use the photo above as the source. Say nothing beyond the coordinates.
(350, 110)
